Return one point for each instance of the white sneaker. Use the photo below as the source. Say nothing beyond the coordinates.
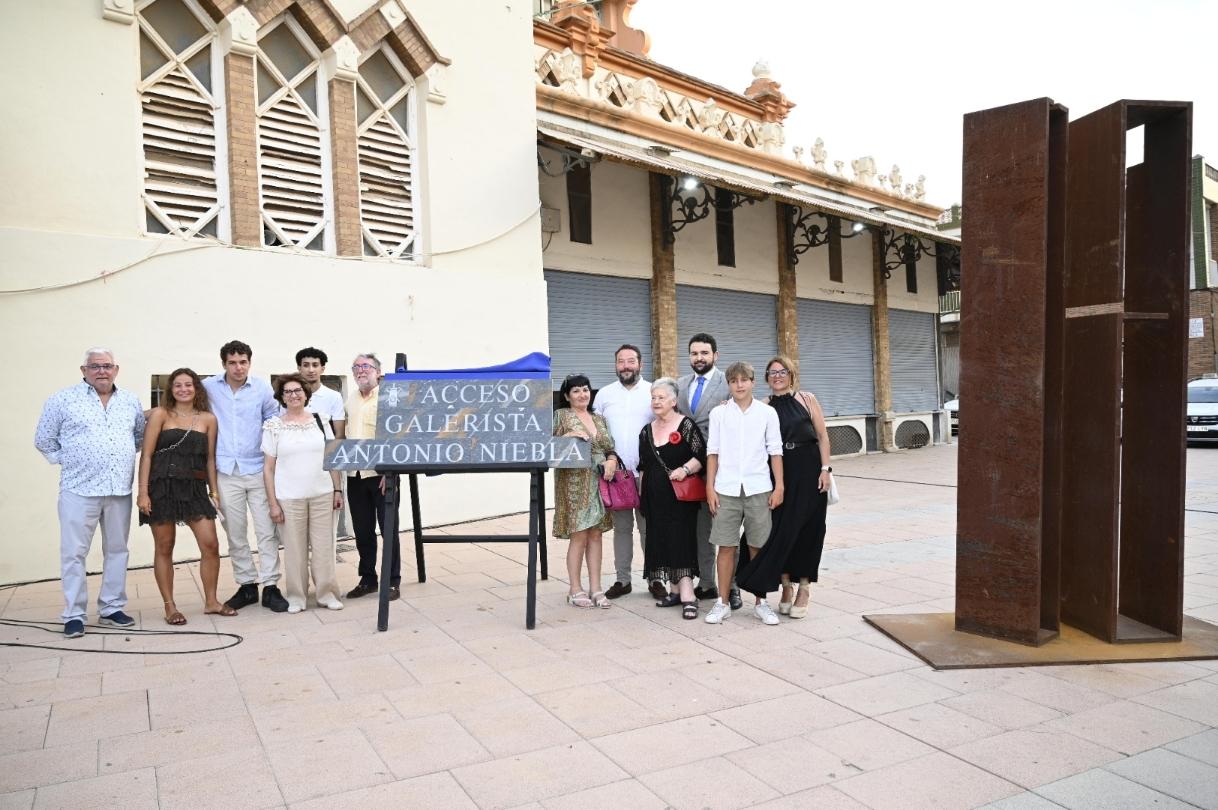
(294, 608)
(334, 605)
(718, 612)
(766, 613)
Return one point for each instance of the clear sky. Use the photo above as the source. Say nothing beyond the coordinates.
(893, 79)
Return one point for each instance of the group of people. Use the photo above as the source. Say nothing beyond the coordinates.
(231, 447)
(765, 469)
(236, 449)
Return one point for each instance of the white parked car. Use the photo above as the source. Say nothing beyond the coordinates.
(952, 406)
(1202, 420)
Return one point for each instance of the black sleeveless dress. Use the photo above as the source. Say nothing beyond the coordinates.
(672, 525)
(797, 533)
(177, 483)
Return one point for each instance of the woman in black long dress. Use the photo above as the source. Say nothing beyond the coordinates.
(670, 448)
(177, 466)
(797, 534)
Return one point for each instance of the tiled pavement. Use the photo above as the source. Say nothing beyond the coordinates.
(458, 706)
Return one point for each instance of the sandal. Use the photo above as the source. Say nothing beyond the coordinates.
(224, 610)
(784, 607)
(175, 617)
(579, 599)
(672, 600)
(600, 600)
(689, 610)
(800, 611)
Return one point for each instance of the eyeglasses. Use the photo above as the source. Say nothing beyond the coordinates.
(293, 392)
(363, 367)
(101, 367)
(778, 372)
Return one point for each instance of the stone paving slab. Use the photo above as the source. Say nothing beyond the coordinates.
(457, 706)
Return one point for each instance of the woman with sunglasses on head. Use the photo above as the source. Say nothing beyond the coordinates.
(579, 513)
(177, 467)
(303, 496)
(797, 533)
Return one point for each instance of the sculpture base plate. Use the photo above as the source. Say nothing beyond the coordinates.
(933, 638)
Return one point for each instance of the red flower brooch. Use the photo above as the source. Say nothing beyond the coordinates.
(674, 438)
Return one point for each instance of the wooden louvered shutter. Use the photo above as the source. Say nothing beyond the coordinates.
(178, 115)
(290, 139)
(385, 98)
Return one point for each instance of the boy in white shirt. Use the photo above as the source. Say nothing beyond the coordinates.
(744, 447)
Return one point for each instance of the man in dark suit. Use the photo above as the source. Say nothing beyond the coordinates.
(697, 394)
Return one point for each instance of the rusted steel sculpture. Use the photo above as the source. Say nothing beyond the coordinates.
(1073, 363)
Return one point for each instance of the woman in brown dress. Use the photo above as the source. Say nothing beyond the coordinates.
(579, 513)
(177, 466)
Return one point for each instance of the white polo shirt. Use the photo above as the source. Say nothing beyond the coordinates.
(625, 410)
(743, 441)
(328, 404)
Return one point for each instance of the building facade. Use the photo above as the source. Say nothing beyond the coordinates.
(180, 173)
(672, 206)
(1203, 298)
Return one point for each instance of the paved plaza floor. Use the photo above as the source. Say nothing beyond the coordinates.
(457, 705)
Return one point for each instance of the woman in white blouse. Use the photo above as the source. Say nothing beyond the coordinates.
(303, 496)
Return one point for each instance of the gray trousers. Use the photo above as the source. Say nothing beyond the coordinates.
(79, 516)
(624, 521)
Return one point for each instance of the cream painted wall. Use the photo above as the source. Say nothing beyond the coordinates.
(856, 286)
(756, 270)
(621, 222)
(72, 212)
(71, 133)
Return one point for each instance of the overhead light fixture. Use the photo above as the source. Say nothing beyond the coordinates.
(784, 184)
(857, 227)
(689, 184)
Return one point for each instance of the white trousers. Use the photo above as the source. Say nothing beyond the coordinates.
(308, 547)
(79, 516)
(239, 494)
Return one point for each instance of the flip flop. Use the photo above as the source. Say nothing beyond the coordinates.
(175, 618)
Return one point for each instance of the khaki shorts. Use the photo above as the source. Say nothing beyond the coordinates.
(750, 511)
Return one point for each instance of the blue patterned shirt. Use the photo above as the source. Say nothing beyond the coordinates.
(94, 445)
(239, 417)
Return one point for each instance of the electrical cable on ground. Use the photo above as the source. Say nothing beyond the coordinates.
(57, 627)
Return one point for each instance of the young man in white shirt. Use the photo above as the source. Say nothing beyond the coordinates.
(744, 447)
(323, 401)
(625, 406)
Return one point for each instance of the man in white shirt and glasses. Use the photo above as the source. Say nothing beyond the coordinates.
(625, 406)
(744, 448)
(93, 431)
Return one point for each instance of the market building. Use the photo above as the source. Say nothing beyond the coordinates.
(672, 206)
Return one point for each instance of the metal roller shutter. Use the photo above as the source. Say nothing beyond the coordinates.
(744, 325)
(835, 356)
(590, 316)
(911, 342)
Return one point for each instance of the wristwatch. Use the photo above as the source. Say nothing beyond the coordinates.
(826, 469)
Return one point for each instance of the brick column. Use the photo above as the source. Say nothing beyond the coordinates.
(663, 284)
(788, 315)
(345, 153)
(879, 331)
(242, 126)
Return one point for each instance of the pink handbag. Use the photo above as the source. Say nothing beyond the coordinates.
(619, 493)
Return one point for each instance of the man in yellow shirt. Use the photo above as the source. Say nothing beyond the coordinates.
(366, 488)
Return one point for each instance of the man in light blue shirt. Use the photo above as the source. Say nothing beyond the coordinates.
(241, 404)
(93, 431)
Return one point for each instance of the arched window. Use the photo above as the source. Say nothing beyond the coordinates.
(291, 135)
(385, 109)
(178, 91)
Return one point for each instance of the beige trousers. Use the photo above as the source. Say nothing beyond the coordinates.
(308, 546)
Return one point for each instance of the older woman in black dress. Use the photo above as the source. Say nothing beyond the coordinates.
(670, 448)
(177, 466)
(797, 533)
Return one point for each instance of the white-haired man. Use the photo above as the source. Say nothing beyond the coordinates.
(93, 430)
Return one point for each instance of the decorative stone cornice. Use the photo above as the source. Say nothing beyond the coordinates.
(586, 36)
(239, 33)
(765, 91)
(119, 11)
